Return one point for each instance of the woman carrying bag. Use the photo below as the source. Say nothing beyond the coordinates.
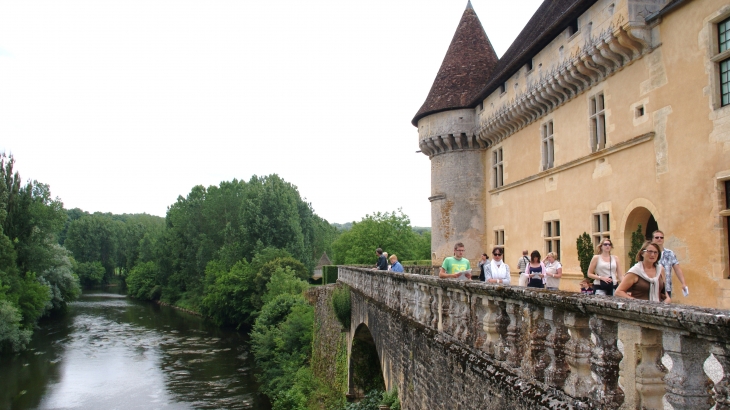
(605, 269)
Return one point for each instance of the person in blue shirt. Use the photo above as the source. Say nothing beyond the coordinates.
(395, 265)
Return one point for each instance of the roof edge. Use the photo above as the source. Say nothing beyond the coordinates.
(548, 35)
(417, 118)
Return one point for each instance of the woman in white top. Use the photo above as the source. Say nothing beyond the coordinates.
(554, 271)
(605, 269)
(496, 271)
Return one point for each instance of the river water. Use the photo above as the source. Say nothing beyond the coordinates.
(112, 352)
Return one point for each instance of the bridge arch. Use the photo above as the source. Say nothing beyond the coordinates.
(364, 368)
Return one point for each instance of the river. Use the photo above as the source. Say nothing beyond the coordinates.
(113, 352)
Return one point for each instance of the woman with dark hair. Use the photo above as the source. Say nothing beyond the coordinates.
(646, 279)
(605, 269)
(496, 271)
(535, 271)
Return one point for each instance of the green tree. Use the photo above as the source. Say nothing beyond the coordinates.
(274, 215)
(142, 282)
(13, 337)
(637, 239)
(585, 252)
(284, 281)
(390, 230)
(94, 238)
(227, 296)
(281, 341)
(90, 273)
(60, 279)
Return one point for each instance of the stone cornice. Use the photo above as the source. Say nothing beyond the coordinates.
(576, 162)
(600, 57)
(440, 144)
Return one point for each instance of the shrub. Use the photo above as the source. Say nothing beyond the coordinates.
(342, 306)
(371, 401)
(637, 239)
(141, 282)
(90, 273)
(423, 262)
(281, 342)
(12, 336)
(283, 280)
(391, 399)
(329, 274)
(585, 252)
(227, 294)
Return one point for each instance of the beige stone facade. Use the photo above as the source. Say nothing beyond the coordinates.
(613, 120)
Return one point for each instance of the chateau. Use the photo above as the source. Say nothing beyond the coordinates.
(602, 116)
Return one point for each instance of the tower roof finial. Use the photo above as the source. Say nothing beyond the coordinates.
(468, 5)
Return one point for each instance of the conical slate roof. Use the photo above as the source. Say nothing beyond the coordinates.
(323, 261)
(465, 69)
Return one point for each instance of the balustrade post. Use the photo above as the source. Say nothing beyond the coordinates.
(536, 359)
(480, 308)
(578, 355)
(688, 387)
(424, 304)
(440, 293)
(605, 364)
(641, 372)
(722, 387)
(435, 301)
(514, 330)
(558, 369)
(461, 318)
(495, 327)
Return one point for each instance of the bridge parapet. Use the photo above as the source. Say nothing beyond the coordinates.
(603, 352)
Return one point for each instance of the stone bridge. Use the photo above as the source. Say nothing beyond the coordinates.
(449, 344)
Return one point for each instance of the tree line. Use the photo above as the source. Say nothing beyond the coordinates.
(240, 253)
(36, 273)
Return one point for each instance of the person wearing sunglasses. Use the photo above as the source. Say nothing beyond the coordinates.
(669, 261)
(457, 266)
(496, 271)
(646, 279)
(605, 269)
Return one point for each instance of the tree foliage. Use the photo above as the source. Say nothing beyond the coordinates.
(585, 252)
(637, 239)
(36, 276)
(390, 231)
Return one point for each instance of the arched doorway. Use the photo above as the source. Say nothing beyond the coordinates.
(641, 221)
(365, 372)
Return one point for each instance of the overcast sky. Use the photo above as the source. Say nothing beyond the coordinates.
(121, 106)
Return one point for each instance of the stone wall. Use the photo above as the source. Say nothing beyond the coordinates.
(329, 348)
(464, 344)
(434, 371)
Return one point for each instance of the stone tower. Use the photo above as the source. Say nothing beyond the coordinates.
(446, 133)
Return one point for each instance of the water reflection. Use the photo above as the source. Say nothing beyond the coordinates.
(113, 352)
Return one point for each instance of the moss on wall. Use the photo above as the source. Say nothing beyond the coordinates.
(329, 352)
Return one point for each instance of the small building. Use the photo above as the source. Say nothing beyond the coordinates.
(323, 261)
(602, 116)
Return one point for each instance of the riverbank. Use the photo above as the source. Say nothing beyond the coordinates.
(111, 349)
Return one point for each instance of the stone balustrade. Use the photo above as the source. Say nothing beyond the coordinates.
(605, 352)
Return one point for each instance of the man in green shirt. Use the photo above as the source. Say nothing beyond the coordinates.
(454, 265)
